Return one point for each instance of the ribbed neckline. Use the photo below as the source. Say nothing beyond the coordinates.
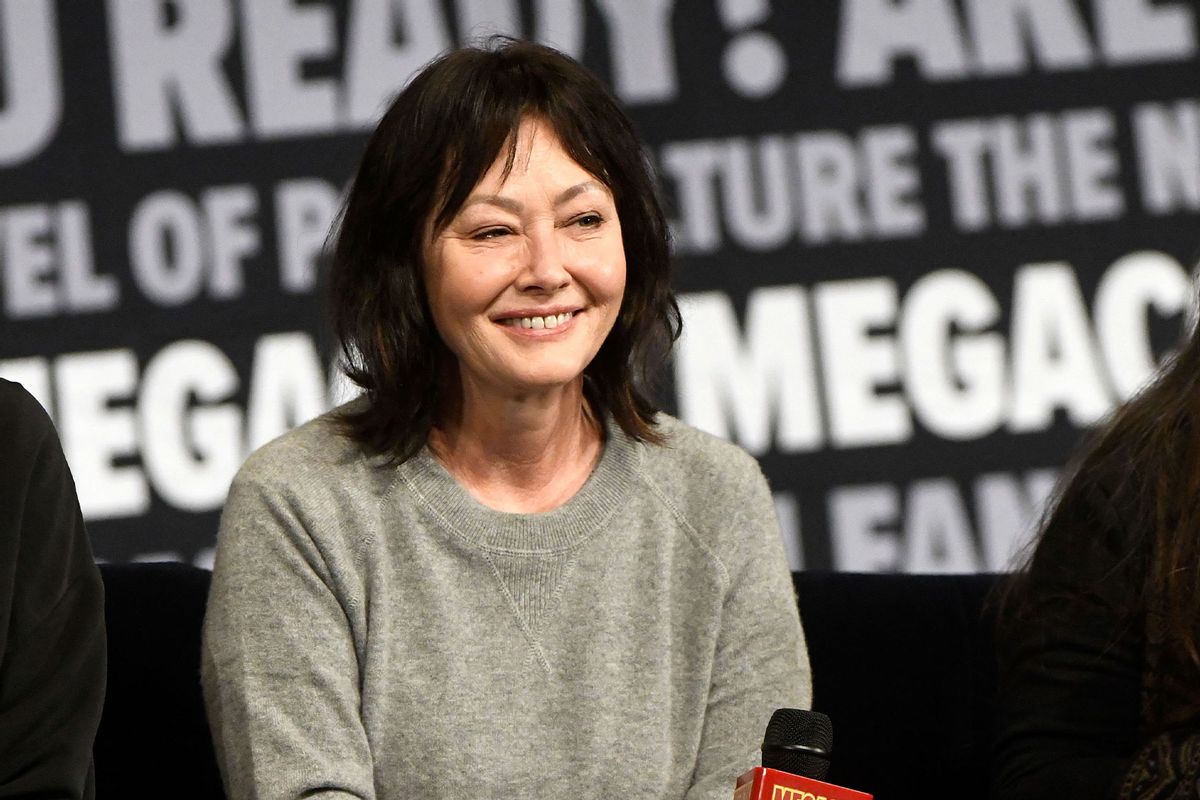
(540, 533)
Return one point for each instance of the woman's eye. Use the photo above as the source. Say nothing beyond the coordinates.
(489, 233)
(589, 220)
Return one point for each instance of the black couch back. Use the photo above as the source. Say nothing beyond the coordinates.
(901, 663)
(904, 666)
(153, 739)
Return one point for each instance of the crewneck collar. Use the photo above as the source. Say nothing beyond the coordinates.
(542, 532)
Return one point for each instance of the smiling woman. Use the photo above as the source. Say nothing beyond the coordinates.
(528, 250)
(480, 159)
(501, 572)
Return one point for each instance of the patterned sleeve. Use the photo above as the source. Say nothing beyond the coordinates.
(1166, 768)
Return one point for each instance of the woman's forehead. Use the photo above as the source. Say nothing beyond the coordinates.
(535, 156)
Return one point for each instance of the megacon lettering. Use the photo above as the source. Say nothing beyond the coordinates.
(787, 793)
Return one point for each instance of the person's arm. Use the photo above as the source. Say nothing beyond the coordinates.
(1069, 702)
(279, 668)
(761, 661)
(52, 640)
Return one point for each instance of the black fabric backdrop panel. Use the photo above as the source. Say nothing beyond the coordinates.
(922, 244)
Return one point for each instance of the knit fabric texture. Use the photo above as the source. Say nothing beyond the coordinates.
(375, 632)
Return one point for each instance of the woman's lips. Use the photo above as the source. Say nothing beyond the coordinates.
(540, 322)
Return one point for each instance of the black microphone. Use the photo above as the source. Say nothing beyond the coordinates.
(795, 755)
(799, 742)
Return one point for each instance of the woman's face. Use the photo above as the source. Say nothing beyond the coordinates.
(526, 280)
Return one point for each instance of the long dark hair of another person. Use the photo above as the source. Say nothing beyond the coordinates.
(1146, 460)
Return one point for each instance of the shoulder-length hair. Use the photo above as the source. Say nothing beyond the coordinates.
(434, 143)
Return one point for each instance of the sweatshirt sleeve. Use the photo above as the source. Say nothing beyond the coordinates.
(761, 660)
(52, 640)
(279, 666)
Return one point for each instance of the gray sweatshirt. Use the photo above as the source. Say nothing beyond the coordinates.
(375, 632)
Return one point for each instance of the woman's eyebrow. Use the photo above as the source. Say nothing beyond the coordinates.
(567, 194)
(507, 203)
(515, 206)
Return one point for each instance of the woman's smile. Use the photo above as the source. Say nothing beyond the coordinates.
(539, 322)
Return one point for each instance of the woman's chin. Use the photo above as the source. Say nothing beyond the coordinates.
(538, 382)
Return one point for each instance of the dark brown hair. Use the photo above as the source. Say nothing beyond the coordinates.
(1131, 498)
(434, 143)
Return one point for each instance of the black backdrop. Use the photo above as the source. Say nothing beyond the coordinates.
(922, 244)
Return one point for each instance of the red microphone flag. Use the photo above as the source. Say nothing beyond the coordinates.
(762, 783)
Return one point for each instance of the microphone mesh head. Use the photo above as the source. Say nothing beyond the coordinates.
(795, 726)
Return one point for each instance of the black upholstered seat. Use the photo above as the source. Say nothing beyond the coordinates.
(902, 664)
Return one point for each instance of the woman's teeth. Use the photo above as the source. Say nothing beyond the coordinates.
(539, 323)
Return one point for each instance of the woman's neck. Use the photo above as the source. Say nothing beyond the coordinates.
(520, 454)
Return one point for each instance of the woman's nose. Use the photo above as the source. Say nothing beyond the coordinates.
(545, 267)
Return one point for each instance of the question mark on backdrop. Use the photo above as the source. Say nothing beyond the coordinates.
(754, 63)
